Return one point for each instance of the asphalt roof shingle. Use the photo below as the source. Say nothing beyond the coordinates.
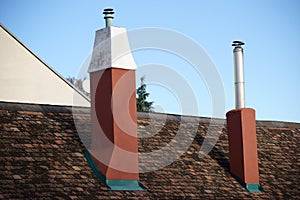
(41, 156)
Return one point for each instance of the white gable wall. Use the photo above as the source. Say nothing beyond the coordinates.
(25, 78)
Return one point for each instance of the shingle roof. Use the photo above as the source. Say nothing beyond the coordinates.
(41, 156)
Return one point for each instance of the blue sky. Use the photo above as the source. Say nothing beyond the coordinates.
(61, 32)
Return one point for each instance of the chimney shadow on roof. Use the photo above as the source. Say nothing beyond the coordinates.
(220, 152)
(220, 157)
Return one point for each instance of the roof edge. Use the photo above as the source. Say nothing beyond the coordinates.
(215, 121)
(16, 106)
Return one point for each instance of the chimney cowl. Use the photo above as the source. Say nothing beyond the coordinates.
(237, 43)
(108, 16)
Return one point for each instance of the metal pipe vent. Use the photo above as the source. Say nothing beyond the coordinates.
(239, 83)
(108, 16)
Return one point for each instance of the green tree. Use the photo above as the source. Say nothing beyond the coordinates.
(142, 104)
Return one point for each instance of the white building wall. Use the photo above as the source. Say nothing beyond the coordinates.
(25, 78)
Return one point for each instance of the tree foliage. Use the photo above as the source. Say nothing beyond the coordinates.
(142, 104)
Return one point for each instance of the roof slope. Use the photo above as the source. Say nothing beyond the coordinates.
(41, 156)
(26, 78)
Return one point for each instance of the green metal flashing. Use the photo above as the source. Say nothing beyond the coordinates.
(112, 184)
(124, 185)
(253, 187)
(250, 187)
(93, 166)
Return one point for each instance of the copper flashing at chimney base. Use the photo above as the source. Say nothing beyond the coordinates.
(112, 184)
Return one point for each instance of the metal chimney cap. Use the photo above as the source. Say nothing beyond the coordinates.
(237, 43)
(108, 13)
(108, 9)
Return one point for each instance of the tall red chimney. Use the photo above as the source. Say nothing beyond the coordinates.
(241, 127)
(113, 154)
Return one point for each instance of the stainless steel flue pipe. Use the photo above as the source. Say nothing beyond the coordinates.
(239, 83)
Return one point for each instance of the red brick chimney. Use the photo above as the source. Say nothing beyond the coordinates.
(113, 154)
(241, 127)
